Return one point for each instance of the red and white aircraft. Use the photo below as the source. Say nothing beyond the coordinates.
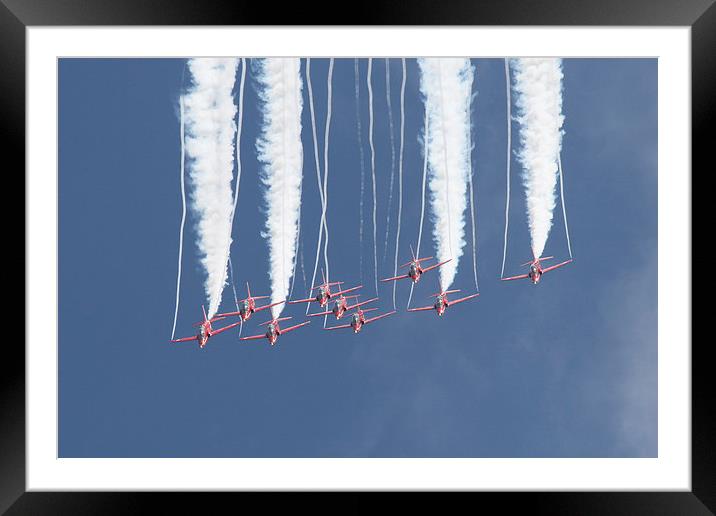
(536, 270)
(358, 320)
(415, 270)
(205, 330)
(324, 292)
(273, 331)
(247, 307)
(442, 302)
(341, 306)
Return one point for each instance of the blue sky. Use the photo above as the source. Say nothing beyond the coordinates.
(564, 369)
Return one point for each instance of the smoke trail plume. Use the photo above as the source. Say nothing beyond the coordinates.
(538, 98)
(281, 153)
(210, 127)
(446, 85)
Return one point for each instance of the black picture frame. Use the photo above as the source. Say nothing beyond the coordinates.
(17, 15)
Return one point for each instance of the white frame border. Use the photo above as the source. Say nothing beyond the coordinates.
(671, 470)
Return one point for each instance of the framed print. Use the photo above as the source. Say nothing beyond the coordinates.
(213, 184)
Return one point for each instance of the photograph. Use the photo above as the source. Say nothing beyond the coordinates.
(258, 257)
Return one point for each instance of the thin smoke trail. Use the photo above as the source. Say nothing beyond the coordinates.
(325, 169)
(210, 127)
(237, 148)
(400, 177)
(422, 197)
(183, 208)
(280, 152)
(564, 210)
(538, 88)
(303, 270)
(392, 157)
(233, 284)
(322, 225)
(372, 168)
(446, 85)
(472, 192)
(325, 162)
(362, 164)
(509, 159)
(233, 289)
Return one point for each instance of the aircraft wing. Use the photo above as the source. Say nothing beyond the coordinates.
(351, 307)
(262, 336)
(426, 269)
(221, 330)
(184, 339)
(378, 317)
(346, 291)
(267, 306)
(556, 266)
(394, 278)
(462, 299)
(421, 309)
(291, 328)
(521, 276)
(319, 314)
(228, 314)
(309, 300)
(338, 327)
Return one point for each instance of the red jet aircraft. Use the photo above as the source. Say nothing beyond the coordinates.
(442, 302)
(324, 292)
(536, 269)
(341, 306)
(415, 270)
(358, 320)
(205, 330)
(273, 330)
(247, 307)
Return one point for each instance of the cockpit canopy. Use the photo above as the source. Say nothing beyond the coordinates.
(271, 328)
(244, 306)
(356, 318)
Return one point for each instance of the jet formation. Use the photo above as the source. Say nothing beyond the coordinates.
(333, 292)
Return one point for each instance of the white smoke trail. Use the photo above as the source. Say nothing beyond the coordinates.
(183, 207)
(538, 89)
(472, 192)
(280, 150)
(446, 85)
(509, 159)
(326, 134)
(329, 102)
(322, 227)
(564, 210)
(210, 127)
(392, 157)
(372, 168)
(400, 177)
(237, 186)
(362, 165)
(422, 195)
